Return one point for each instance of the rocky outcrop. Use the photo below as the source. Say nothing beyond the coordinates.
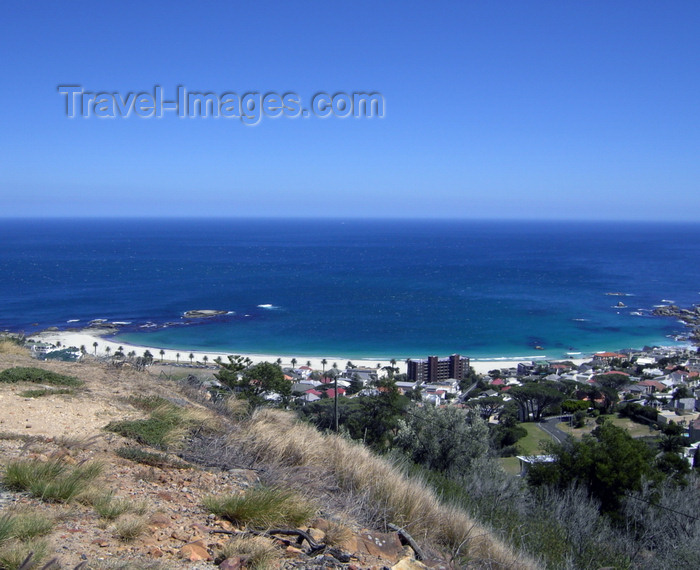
(690, 317)
(203, 313)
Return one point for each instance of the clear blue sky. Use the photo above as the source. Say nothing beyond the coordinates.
(512, 109)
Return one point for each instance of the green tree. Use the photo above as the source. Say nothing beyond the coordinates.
(534, 398)
(177, 358)
(487, 406)
(162, 354)
(94, 344)
(191, 358)
(378, 420)
(442, 439)
(147, 357)
(294, 362)
(229, 373)
(256, 382)
(609, 463)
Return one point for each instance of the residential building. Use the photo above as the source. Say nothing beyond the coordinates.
(434, 369)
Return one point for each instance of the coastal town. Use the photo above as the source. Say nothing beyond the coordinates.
(662, 382)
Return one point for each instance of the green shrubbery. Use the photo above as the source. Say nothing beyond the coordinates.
(37, 376)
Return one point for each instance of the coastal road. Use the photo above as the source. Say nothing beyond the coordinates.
(549, 426)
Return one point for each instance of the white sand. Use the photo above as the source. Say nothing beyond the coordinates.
(87, 338)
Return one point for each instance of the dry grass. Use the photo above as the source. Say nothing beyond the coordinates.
(235, 408)
(129, 528)
(9, 347)
(259, 552)
(337, 533)
(278, 437)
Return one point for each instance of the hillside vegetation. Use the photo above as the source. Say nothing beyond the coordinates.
(129, 470)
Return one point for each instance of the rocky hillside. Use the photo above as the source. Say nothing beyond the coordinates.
(116, 468)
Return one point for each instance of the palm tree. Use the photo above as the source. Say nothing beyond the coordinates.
(335, 396)
(191, 357)
(162, 353)
(279, 362)
(205, 358)
(131, 354)
(108, 350)
(95, 345)
(83, 350)
(308, 363)
(177, 357)
(324, 362)
(294, 362)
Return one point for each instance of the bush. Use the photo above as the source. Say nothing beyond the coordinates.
(167, 427)
(263, 507)
(138, 455)
(37, 376)
(45, 392)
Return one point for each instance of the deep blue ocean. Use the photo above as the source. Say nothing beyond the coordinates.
(353, 288)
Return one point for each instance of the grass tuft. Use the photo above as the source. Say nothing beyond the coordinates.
(14, 554)
(31, 524)
(52, 481)
(110, 508)
(37, 376)
(259, 552)
(129, 528)
(337, 533)
(263, 507)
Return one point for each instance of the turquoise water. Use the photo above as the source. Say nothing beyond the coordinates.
(353, 288)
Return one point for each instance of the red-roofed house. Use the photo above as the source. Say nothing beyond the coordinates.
(607, 356)
(497, 382)
(652, 386)
(331, 392)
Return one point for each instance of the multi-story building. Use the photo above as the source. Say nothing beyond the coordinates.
(434, 369)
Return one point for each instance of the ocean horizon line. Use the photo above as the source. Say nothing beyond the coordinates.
(355, 218)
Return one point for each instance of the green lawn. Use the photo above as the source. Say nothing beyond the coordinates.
(531, 444)
(634, 429)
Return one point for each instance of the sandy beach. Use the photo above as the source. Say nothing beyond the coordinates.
(88, 337)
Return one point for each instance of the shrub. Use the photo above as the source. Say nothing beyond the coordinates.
(263, 507)
(45, 392)
(138, 455)
(147, 403)
(37, 376)
(167, 426)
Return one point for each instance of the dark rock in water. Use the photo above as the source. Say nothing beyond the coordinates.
(203, 313)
